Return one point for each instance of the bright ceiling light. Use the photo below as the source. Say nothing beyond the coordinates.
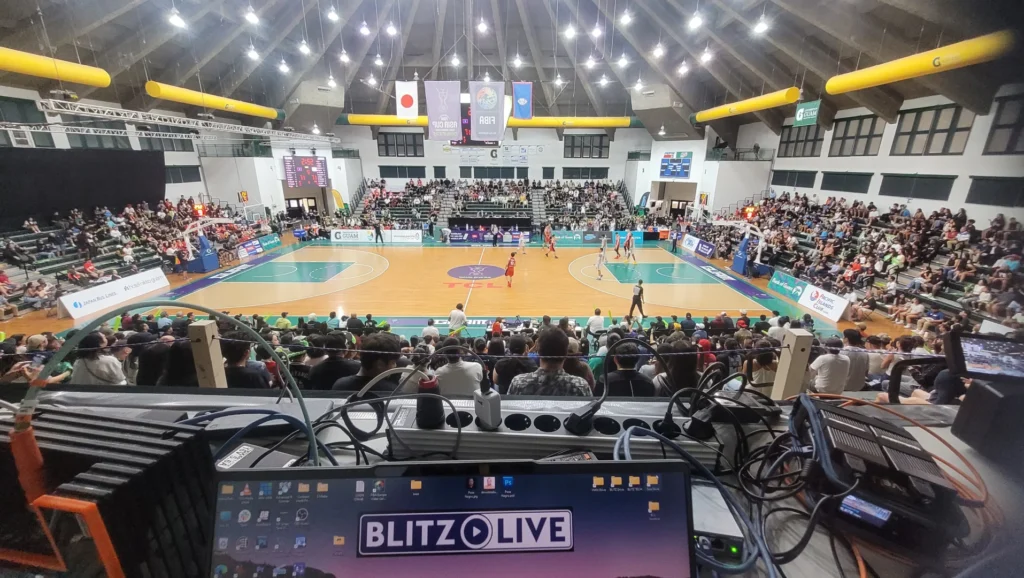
(695, 21)
(705, 56)
(761, 27)
(316, 129)
(625, 19)
(517, 62)
(455, 60)
(391, 30)
(252, 54)
(661, 131)
(330, 81)
(570, 32)
(683, 69)
(344, 56)
(332, 15)
(251, 16)
(371, 80)
(487, 77)
(603, 81)
(558, 80)
(364, 29)
(590, 62)
(482, 27)
(283, 67)
(596, 32)
(304, 48)
(658, 51)
(378, 60)
(623, 61)
(175, 19)
(639, 84)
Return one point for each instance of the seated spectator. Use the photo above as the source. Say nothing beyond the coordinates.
(831, 369)
(625, 381)
(515, 364)
(283, 322)
(180, 368)
(95, 365)
(458, 377)
(236, 347)
(380, 352)
(324, 375)
(550, 378)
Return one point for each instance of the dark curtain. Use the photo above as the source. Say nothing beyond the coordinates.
(37, 182)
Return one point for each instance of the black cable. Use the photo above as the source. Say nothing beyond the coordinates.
(835, 554)
(789, 555)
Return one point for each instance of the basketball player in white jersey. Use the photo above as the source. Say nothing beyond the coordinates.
(601, 258)
(522, 243)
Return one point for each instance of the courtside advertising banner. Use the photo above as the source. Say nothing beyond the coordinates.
(829, 305)
(112, 293)
(486, 110)
(444, 113)
(366, 236)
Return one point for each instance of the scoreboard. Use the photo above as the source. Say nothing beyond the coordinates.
(676, 165)
(305, 171)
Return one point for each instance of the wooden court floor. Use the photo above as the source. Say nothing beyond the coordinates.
(429, 281)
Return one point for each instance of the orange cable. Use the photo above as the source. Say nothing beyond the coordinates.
(862, 568)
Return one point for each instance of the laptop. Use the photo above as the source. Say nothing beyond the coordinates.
(507, 518)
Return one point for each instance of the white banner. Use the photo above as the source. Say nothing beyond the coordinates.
(690, 243)
(113, 293)
(820, 301)
(358, 236)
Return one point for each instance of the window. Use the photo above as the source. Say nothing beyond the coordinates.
(1007, 136)
(165, 144)
(174, 175)
(548, 173)
(92, 141)
(400, 144)
(941, 130)
(18, 110)
(403, 172)
(343, 153)
(439, 172)
(585, 173)
(997, 191)
(494, 172)
(801, 141)
(638, 156)
(794, 178)
(857, 137)
(934, 187)
(846, 182)
(465, 172)
(586, 146)
(522, 172)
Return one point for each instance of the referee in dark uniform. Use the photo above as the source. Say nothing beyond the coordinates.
(377, 233)
(638, 298)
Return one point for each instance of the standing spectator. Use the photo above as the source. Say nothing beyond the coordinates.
(860, 363)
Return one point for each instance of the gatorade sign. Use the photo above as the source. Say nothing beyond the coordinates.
(807, 113)
(465, 532)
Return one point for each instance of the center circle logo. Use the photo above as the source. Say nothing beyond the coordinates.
(475, 531)
(487, 98)
(476, 272)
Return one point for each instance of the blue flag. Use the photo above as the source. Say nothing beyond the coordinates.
(522, 100)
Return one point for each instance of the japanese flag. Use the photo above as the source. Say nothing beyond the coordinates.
(407, 99)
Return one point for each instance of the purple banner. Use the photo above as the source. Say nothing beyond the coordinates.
(705, 249)
(444, 112)
(506, 237)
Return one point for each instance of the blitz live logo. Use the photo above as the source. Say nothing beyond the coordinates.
(465, 532)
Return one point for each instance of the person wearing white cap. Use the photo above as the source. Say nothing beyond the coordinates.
(743, 320)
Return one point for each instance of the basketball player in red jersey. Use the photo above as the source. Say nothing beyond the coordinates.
(618, 243)
(551, 247)
(510, 268)
(629, 247)
(547, 233)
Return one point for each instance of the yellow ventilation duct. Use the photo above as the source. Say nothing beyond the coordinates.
(44, 67)
(951, 57)
(535, 122)
(195, 98)
(765, 101)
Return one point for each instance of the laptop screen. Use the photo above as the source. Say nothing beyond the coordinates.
(495, 519)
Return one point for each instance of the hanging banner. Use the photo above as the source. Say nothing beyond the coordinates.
(407, 99)
(485, 108)
(806, 113)
(444, 114)
(522, 98)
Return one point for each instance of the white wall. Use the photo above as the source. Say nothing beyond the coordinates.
(739, 180)
(438, 153)
(649, 171)
(971, 163)
(757, 132)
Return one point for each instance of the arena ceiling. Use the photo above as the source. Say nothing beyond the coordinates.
(805, 42)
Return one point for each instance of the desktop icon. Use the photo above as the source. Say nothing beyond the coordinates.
(652, 481)
(360, 486)
(303, 488)
(222, 543)
(242, 543)
(653, 507)
(261, 542)
(300, 542)
(488, 482)
(616, 481)
(378, 486)
(634, 481)
(506, 482)
(301, 515)
(220, 570)
(283, 488)
(244, 516)
(299, 569)
(225, 516)
(339, 540)
(470, 484)
(227, 489)
(246, 492)
(321, 487)
(415, 485)
(266, 489)
(598, 481)
(263, 516)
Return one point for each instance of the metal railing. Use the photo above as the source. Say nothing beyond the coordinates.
(242, 149)
(760, 154)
